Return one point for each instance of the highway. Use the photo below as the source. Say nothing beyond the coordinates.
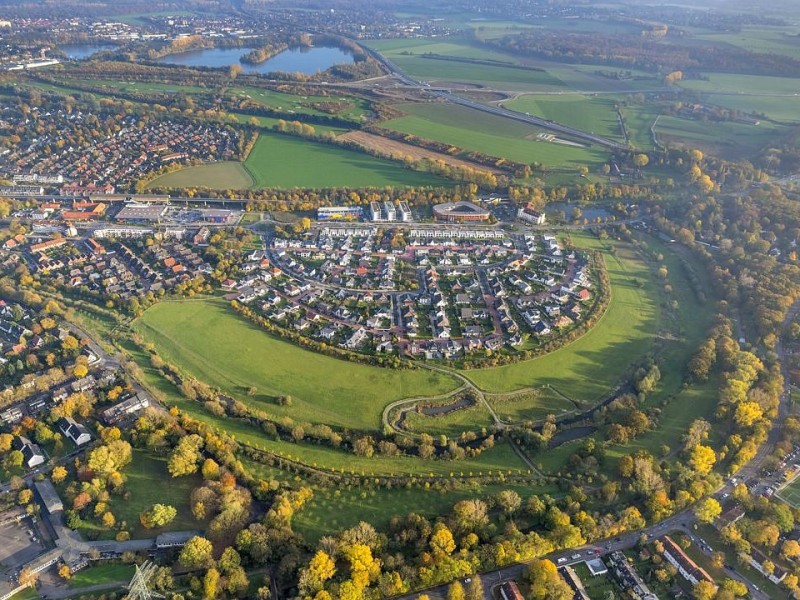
(449, 96)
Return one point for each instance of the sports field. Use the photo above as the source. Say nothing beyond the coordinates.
(474, 130)
(226, 175)
(587, 369)
(207, 340)
(790, 493)
(593, 114)
(282, 161)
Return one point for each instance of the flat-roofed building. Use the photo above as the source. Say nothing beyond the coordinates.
(48, 496)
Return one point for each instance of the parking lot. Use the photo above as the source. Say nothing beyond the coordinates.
(18, 547)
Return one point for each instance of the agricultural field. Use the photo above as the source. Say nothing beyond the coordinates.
(215, 176)
(400, 150)
(743, 84)
(323, 389)
(282, 161)
(464, 62)
(594, 114)
(477, 131)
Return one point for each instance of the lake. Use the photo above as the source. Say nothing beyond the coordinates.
(294, 60)
(81, 51)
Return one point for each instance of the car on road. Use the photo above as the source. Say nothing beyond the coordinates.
(576, 556)
(562, 560)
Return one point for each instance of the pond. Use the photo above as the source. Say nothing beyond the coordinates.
(588, 212)
(81, 51)
(294, 60)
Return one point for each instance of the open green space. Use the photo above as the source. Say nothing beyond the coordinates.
(594, 114)
(587, 369)
(530, 405)
(334, 509)
(743, 84)
(728, 139)
(104, 573)
(228, 175)
(357, 109)
(283, 161)
(146, 468)
(207, 340)
(639, 119)
(785, 109)
(452, 424)
(474, 130)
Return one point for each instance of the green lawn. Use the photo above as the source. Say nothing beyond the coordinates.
(529, 405)
(209, 341)
(594, 114)
(331, 510)
(103, 573)
(478, 131)
(215, 176)
(451, 425)
(283, 161)
(588, 368)
(639, 119)
(144, 470)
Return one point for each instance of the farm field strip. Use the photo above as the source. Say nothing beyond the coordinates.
(400, 150)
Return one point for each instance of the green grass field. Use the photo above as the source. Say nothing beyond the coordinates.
(592, 365)
(639, 119)
(728, 139)
(142, 472)
(452, 424)
(283, 161)
(216, 176)
(410, 56)
(477, 131)
(104, 573)
(791, 493)
(331, 510)
(529, 406)
(209, 341)
(739, 84)
(593, 114)
(358, 109)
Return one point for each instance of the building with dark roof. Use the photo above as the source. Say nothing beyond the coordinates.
(32, 454)
(76, 432)
(460, 212)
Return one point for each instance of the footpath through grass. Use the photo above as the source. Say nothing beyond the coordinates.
(210, 342)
